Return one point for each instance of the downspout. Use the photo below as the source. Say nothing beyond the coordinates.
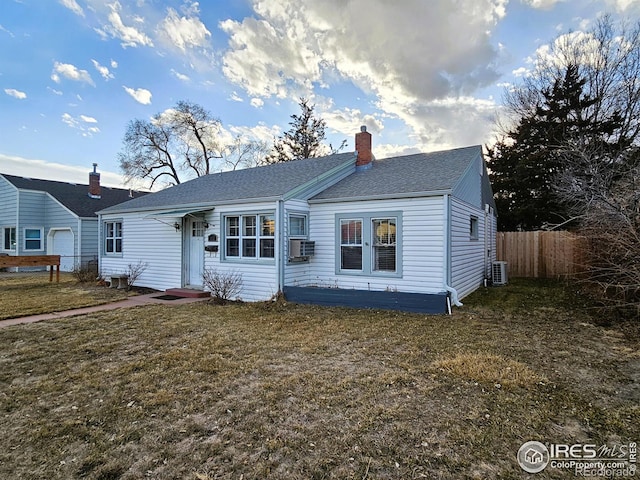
(280, 233)
(447, 253)
(100, 245)
(17, 252)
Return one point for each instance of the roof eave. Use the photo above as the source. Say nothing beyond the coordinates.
(385, 196)
(204, 206)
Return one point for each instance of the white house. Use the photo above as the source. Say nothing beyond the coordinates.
(45, 217)
(411, 232)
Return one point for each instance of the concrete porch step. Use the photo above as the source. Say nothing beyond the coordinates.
(187, 293)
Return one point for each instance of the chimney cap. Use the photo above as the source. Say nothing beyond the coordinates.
(95, 165)
(363, 128)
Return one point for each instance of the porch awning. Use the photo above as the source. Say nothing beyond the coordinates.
(179, 213)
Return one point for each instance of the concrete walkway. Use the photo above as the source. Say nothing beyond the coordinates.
(134, 301)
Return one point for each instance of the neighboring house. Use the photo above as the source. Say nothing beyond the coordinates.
(412, 232)
(43, 217)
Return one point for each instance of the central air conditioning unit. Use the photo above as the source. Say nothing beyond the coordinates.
(499, 273)
(301, 249)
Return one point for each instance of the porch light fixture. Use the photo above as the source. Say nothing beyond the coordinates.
(176, 226)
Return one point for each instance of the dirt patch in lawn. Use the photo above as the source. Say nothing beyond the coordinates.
(300, 392)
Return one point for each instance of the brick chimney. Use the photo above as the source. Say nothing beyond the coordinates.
(94, 183)
(363, 148)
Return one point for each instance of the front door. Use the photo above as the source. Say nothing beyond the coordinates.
(196, 252)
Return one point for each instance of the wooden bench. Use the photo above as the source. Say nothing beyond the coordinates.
(51, 261)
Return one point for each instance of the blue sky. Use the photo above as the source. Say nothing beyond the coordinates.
(423, 75)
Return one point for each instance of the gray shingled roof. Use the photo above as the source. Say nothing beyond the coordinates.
(419, 173)
(75, 196)
(269, 181)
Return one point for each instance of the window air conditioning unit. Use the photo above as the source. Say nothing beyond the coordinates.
(301, 248)
(499, 273)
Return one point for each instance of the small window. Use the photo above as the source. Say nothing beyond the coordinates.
(473, 227)
(112, 238)
(33, 239)
(297, 225)
(9, 238)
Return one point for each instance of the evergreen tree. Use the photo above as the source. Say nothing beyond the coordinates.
(525, 165)
(304, 138)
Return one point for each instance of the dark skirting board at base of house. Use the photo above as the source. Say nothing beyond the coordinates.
(432, 303)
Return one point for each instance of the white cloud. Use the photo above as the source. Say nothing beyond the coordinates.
(54, 91)
(9, 32)
(348, 121)
(520, 72)
(183, 32)
(104, 71)
(12, 92)
(542, 4)
(114, 64)
(180, 76)
(80, 123)
(235, 97)
(70, 72)
(406, 57)
(129, 36)
(73, 6)
(32, 168)
(256, 102)
(140, 95)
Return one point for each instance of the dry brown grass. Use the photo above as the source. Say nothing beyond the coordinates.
(24, 294)
(284, 391)
(488, 368)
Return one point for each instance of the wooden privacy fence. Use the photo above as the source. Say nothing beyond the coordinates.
(541, 254)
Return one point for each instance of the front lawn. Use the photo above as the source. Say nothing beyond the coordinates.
(23, 294)
(282, 391)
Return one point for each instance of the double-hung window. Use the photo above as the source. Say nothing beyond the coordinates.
(384, 244)
(250, 236)
(351, 244)
(33, 238)
(112, 238)
(9, 238)
(369, 244)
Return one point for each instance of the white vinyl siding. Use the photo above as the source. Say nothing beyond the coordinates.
(421, 260)
(154, 243)
(259, 275)
(296, 273)
(467, 253)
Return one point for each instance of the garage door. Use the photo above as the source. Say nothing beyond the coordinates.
(62, 241)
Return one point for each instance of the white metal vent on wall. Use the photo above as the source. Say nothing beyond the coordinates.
(499, 273)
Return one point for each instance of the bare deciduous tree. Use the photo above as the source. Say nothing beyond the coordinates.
(181, 139)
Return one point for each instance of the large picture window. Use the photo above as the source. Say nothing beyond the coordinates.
(33, 239)
(250, 236)
(9, 238)
(369, 244)
(112, 238)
